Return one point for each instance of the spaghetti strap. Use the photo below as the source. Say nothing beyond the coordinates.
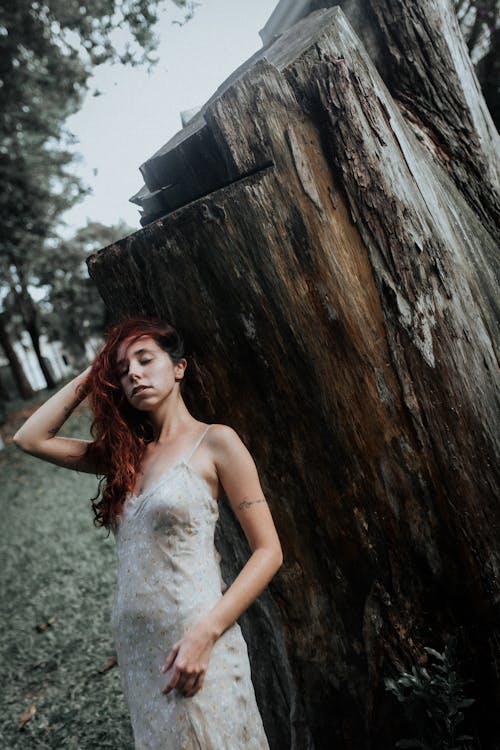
(168, 571)
(189, 456)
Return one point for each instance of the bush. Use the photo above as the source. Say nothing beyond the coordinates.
(433, 700)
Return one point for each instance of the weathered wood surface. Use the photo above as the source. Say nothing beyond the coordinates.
(420, 53)
(418, 50)
(190, 165)
(339, 305)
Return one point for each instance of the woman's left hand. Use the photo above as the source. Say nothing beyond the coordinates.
(189, 658)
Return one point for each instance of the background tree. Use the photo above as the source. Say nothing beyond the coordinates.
(72, 309)
(23, 385)
(480, 24)
(48, 51)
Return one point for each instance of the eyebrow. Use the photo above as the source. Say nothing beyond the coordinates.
(139, 351)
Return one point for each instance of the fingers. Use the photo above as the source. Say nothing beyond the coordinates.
(173, 682)
(170, 658)
(197, 685)
(186, 683)
(180, 677)
(188, 661)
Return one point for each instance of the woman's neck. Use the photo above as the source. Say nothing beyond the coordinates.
(169, 419)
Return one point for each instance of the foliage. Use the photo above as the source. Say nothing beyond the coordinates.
(48, 50)
(433, 700)
(72, 309)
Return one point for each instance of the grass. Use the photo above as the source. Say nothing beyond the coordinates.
(55, 564)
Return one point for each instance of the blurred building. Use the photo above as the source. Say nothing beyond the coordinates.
(56, 357)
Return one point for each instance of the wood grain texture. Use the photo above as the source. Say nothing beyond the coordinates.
(339, 306)
(421, 55)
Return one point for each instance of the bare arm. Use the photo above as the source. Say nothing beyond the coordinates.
(38, 435)
(238, 474)
(239, 477)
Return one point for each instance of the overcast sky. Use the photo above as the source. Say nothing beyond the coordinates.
(137, 113)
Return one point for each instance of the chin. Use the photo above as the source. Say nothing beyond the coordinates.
(143, 404)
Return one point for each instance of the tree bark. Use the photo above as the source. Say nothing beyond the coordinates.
(423, 59)
(20, 379)
(30, 317)
(339, 301)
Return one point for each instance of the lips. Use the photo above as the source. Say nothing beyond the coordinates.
(139, 389)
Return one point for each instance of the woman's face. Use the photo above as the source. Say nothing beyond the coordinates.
(146, 373)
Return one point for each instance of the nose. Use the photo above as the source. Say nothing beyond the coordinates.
(133, 371)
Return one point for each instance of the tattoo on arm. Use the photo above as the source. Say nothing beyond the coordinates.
(248, 503)
(68, 410)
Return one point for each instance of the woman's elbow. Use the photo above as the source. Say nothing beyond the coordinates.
(17, 440)
(277, 557)
(271, 555)
(21, 442)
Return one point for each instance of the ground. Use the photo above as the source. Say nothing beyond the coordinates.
(54, 563)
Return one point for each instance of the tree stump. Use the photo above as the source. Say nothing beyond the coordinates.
(338, 300)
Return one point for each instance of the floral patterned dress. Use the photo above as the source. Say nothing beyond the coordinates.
(168, 578)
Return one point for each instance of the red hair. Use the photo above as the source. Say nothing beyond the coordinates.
(121, 432)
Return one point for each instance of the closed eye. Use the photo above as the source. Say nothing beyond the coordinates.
(141, 361)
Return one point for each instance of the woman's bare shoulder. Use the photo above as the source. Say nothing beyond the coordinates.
(225, 441)
(223, 433)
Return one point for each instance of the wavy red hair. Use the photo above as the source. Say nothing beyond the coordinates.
(121, 432)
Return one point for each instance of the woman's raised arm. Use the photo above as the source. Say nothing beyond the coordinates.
(38, 435)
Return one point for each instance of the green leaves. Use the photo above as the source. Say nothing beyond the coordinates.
(72, 309)
(48, 52)
(433, 700)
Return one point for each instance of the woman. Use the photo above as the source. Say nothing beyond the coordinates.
(183, 660)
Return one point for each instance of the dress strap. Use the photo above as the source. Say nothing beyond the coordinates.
(188, 457)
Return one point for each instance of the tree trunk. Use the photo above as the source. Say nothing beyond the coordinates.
(338, 300)
(34, 333)
(20, 379)
(30, 317)
(421, 55)
(75, 346)
(4, 396)
(488, 71)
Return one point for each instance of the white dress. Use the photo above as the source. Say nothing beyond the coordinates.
(168, 579)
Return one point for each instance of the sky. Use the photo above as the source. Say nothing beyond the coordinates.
(138, 112)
